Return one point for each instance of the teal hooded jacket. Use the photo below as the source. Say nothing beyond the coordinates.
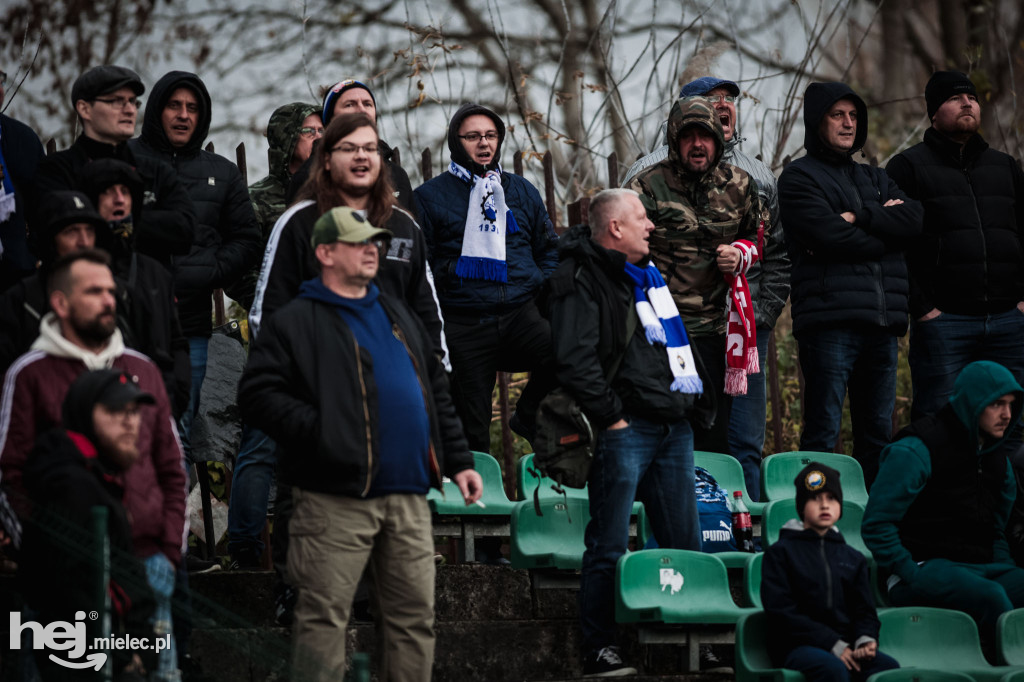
(906, 468)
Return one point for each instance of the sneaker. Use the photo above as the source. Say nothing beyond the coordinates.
(711, 663)
(606, 662)
(196, 565)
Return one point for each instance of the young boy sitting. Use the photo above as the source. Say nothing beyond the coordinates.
(816, 592)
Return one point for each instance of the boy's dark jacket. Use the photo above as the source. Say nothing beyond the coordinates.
(816, 591)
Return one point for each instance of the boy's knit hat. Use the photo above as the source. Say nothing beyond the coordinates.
(813, 479)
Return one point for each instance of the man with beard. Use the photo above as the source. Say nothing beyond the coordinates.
(81, 334)
(768, 278)
(967, 270)
(707, 218)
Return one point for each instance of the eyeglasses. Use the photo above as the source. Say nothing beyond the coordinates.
(308, 132)
(120, 102)
(377, 242)
(490, 136)
(3, 78)
(715, 99)
(348, 149)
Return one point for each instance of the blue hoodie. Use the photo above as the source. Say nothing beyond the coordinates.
(403, 447)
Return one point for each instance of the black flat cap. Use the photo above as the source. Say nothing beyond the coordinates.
(100, 80)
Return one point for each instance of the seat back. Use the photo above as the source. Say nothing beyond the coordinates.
(752, 580)
(496, 503)
(779, 470)
(923, 637)
(1010, 637)
(527, 482)
(673, 586)
(728, 472)
(752, 661)
(552, 540)
(778, 512)
(920, 675)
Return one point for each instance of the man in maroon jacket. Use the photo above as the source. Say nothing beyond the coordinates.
(81, 334)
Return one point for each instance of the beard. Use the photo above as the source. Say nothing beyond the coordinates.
(97, 330)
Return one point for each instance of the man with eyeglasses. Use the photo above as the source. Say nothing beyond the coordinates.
(347, 381)
(20, 155)
(106, 99)
(768, 279)
(492, 246)
(176, 123)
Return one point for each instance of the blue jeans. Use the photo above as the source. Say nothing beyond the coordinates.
(160, 574)
(942, 346)
(250, 490)
(819, 665)
(198, 352)
(862, 360)
(747, 421)
(649, 461)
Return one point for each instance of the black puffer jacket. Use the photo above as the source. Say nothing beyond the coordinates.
(227, 236)
(311, 388)
(591, 298)
(970, 260)
(22, 152)
(844, 273)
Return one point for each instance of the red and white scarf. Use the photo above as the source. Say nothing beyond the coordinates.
(741, 333)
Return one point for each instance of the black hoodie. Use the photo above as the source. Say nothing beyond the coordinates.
(227, 236)
(844, 273)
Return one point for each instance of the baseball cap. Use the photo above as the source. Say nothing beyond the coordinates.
(100, 80)
(343, 224)
(66, 207)
(706, 84)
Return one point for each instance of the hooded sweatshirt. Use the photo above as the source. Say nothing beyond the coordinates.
(693, 213)
(844, 273)
(944, 490)
(227, 241)
(531, 253)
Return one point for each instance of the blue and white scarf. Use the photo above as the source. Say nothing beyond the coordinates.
(488, 220)
(663, 326)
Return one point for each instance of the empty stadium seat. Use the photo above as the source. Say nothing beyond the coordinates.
(752, 580)
(527, 482)
(553, 540)
(1010, 637)
(920, 675)
(779, 470)
(752, 661)
(496, 503)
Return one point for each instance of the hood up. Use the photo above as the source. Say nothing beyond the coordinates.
(152, 126)
(979, 385)
(283, 136)
(459, 154)
(693, 111)
(818, 99)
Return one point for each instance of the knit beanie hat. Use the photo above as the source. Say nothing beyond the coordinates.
(336, 91)
(813, 479)
(943, 85)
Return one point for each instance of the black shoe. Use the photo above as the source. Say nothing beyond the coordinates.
(196, 565)
(606, 662)
(284, 606)
(711, 663)
(244, 559)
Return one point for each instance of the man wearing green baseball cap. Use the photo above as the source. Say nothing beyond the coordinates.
(324, 376)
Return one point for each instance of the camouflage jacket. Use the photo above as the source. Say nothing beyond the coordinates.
(692, 215)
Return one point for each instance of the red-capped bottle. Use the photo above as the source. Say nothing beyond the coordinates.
(742, 526)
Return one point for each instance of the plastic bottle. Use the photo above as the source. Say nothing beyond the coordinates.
(742, 527)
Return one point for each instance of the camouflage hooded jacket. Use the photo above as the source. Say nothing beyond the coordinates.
(692, 215)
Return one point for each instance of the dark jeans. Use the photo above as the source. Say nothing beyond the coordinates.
(198, 352)
(250, 491)
(863, 361)
(649, 461)
(942, 346)
(712, 356)
(819, 665)
(518, 341)
(747, 419)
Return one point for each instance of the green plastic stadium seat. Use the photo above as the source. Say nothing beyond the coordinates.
(779, 470)
(752, 661)
(1010, 637)
(526, 482)
(752, 580)
(778, 512)
(494, 498)
(919, 675)
(728, 472)
(554, 540)
(942, 639)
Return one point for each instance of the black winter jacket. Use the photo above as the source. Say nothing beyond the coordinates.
(970, 259)
(22, 152)
(816, 591)
(311, 388)
(844, 273)
(227, 236)
(290, 261)
(169, 219)
(590, 298)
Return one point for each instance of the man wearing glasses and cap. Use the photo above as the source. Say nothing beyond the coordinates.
(106, 99)
(323, 377)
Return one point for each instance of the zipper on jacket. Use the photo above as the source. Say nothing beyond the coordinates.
(366, 420)
(431, 452)
(981, 228)
(828, 575)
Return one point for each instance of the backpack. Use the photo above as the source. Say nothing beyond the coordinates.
(714, 512)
